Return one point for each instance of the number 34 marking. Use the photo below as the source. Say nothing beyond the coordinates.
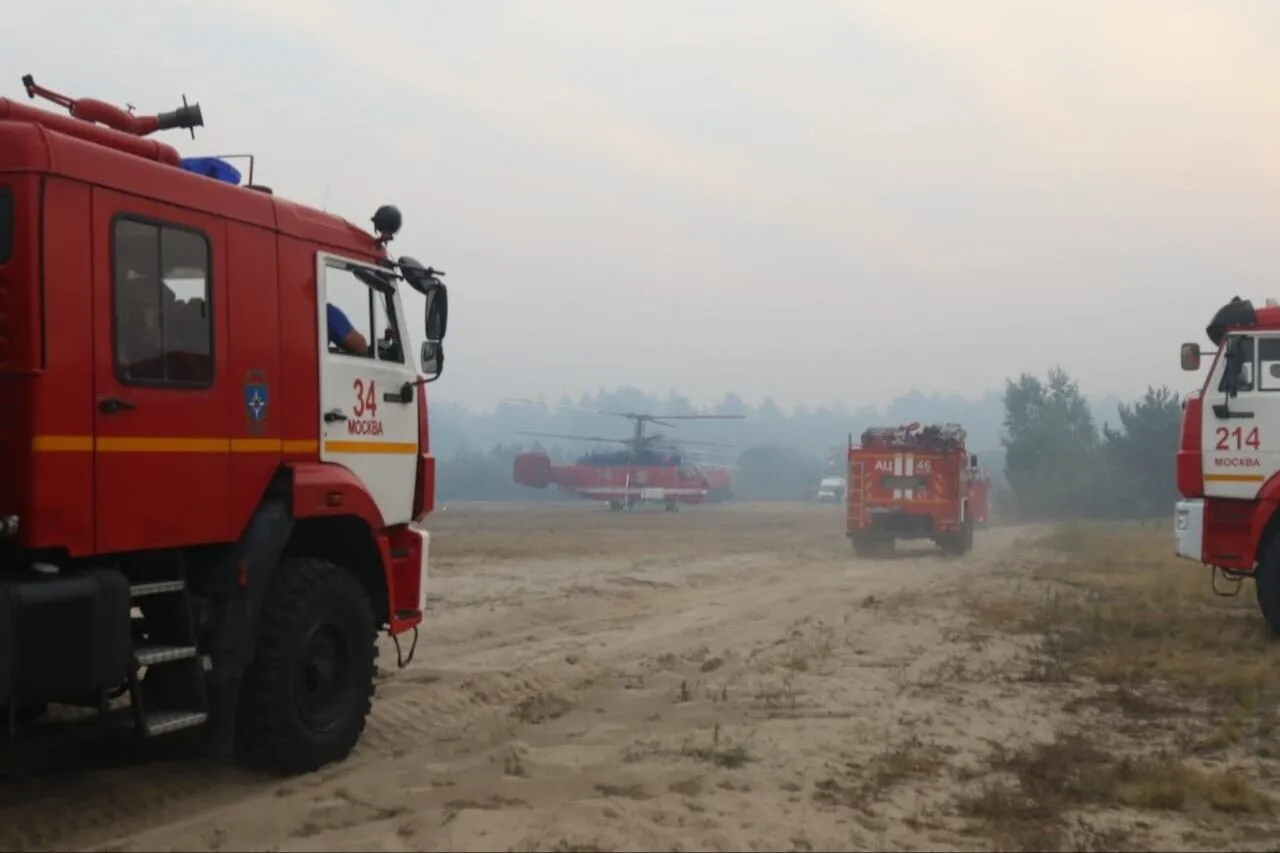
(366, 404)
(1237, 439)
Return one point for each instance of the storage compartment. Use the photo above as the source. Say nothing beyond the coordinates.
(63, 637)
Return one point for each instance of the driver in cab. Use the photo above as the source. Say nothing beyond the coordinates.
(342, 334)
(347, 340)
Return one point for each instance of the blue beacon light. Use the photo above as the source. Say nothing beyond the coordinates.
(212, 167)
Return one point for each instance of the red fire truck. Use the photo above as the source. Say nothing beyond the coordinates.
(1229, 453)
(213, 441)
(910, 482)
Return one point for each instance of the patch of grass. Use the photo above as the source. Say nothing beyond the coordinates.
(1121, 610)
(1069, 537)
(540, 707)
(857, 785)
(1028, 804)
(730, 757)
(630, 792)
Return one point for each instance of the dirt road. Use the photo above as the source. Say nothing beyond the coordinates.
(721, 678)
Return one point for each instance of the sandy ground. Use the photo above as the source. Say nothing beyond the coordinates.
(724, 678)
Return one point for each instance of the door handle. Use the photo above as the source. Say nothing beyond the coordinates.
(404, 395)
(334, 415)
(1224, 412)
(112, 405)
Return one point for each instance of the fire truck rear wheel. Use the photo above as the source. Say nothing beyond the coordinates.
(308, 694)
(872, 546)
(960, 543)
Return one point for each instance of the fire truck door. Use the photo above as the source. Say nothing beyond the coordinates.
(161, 434)
(368, 423)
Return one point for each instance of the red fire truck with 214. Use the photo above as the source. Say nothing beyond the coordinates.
(209, 486)
(910, 483)
(1228, 454)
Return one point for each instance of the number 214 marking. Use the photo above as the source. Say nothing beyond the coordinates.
(1237, 439)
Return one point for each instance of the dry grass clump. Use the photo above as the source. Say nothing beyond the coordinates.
(1115, 605)
(1175, 674)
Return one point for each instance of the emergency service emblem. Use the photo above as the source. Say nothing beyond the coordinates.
(256, 399)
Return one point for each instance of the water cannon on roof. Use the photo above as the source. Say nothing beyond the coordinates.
(185, 117)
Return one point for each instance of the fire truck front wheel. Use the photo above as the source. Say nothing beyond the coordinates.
(307, 695)
(1267, 585)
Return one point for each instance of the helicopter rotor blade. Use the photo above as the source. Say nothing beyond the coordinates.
(575, 437)
(681, 442)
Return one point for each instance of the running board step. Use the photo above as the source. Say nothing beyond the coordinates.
(156, 588)
(152, 655)
(163, 722)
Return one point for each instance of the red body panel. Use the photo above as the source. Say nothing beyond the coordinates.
(614, 483)
(979, 497)
(1190, 457)
(182, 467)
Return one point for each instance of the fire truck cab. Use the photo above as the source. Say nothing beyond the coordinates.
(910, 483)
(214, 447)
(1229, 453)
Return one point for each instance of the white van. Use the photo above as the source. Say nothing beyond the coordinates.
(831, 489)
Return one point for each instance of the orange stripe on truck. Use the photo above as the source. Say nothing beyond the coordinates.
(168, 444)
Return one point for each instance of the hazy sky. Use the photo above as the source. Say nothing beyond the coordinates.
(819, 200)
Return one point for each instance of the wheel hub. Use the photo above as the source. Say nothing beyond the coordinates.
(322, 678)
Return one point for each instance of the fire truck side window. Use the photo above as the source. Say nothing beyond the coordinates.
(363, 310)
(1269, 364)
(6, 224)
(353, 300)
(1246, 369)
(164, 328)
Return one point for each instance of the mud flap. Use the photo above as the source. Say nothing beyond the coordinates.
(243, 581)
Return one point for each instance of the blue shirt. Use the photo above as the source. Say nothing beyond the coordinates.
(339, 325)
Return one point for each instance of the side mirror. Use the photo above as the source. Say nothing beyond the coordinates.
(1190, 356)
(973, 460)
(436, 314)
(432, 360)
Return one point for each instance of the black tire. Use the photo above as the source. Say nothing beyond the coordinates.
(1266, 582)
(872, 546)
(294, 717)
(960, 543)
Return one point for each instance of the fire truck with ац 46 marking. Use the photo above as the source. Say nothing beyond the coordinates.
(1228, 457)
(214, 447)
(910, 483)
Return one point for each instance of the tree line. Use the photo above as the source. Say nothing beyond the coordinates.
(1049, 455)
(1059, 463)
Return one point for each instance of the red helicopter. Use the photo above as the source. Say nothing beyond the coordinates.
(649, 468)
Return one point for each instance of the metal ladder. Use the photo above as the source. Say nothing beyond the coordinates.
(167, 685)
(857, 495)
